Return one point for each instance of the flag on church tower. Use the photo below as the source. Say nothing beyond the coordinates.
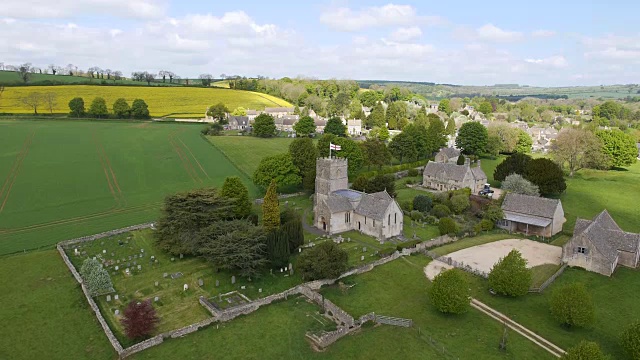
(334, 147)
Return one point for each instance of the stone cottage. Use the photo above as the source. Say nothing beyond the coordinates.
(447, 155)
(532, 215)
(277, 112)
(600, 245)
(449, 176)
(338, 209)
(238, 122)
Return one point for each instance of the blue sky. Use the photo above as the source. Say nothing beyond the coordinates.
(545, 43)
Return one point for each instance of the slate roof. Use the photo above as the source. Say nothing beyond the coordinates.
(319, 122)
(449, 152)
(239, 120)
(374, 205)
(278, 109)
(530, 205)
(252, 112)
(337, 203)
(452, 171)
(606, 235)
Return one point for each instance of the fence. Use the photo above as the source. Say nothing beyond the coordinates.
(549, 280)
(460, 265)
(380, 319)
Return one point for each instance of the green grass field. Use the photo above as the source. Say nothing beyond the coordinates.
(615, 301)
(64, 179)
(247, 151)
(162, 101)
(44, 314)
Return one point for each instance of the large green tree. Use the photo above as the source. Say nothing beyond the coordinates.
(219, 112)
(336, 127)
(234, 189)
(376, 117)
(619, 147)
(349, 150)
(510, 276)
(76, 105)
(421, 140)
(98, 108)
(514, 164)
(585, 350)
(139, 109)
(271, 209)
(524, 142)
(485, 108)
(472, 138)
(445, 106)
(575, 149)
(304, 155)
(305, 126)
(324, 261)
(403, 147)
(395, 112)
(121, 108)
(547, 175)
(264, 126)
(436, 137)
(95, 277)
(375, 153)
(571, 305)
(279, 168)
(450, 292)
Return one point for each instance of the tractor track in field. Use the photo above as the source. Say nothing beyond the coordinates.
(195, 159)
(79, 219)
(15, 170)
(184, 159)
(109, 174)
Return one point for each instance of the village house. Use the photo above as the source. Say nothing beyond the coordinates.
(542, 138)
(366, 110)
(285, 123)
(449, 176)
(338, 209)
(252, 114)
(354, 127)
(532, 215)
(320, 124)
(432, 108)
(277, 112)
(600, 245)
(238, 122)
(447, 155)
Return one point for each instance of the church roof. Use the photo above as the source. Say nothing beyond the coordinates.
(606, 235)
(338, 203)
(374, 205)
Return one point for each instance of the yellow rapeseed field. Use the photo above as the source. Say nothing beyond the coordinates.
(162, 101)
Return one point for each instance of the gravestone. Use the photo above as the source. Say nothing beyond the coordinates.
(135, 256)
(141, 256)
(165, 275)
(200, 282)
(172, 259)
(181, 256)
(217, 282)
(156, 261)
(286, 269)
(153, 257)
(127, 271)
(260, 290)
(243, 287)
(155, 299)
(233, 279)
(115, 297)
(129, 264)
(362, 258)
(117, 268)
(76, 251)
(299, 250)
(117, 312)
(364, 249)
(139, 267)
(156, 283)
(348, 239)
(112, 254)
(185, 287)
(108, 298)
(129, 257)
(135, 263)
(118, 261)
(84, 253)
(281, 270)
(290, 269)
(141, 250)
(104, 251)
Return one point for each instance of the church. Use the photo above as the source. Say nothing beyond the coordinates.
(338, 209)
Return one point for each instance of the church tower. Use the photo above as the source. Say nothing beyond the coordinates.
(331, 175)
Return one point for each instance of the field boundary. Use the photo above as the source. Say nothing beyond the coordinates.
(15, 170)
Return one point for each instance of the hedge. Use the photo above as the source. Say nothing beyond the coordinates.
(394, 169)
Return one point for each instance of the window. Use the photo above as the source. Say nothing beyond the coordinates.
(365, 219)
(374, 223)
(582, 250)
(389, 220)
(395, 218)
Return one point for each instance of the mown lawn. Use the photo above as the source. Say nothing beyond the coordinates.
(44, 314)
(67, 179)
(400, 289)
(246, 152)
(162, 101)
(615, 300)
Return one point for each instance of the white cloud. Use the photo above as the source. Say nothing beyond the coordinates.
(492, 33)
(557, 61)
(346, 19)
(543, 33)
(622, 49)
(406, 34)
(46, 9)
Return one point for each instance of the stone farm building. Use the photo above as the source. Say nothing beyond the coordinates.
(599, 245)
(338, 209)
(448, 155)
(449, 176)
(532, 215)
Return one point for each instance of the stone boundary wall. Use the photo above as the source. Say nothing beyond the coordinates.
(328, 338)
(282, 196)
(105, 234)
(441, 240)
(550, 280)
(339, 316)
(112, 339)
(143, 345)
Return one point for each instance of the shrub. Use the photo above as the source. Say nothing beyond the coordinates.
(139, 320)
(571, 305)
(413, 172)
(450, 292)
(422, 203)
(631, 340)
(517, 184)
(441, 198)
(440, 211)
(431, 220)
(325, 261)
(408, 244)
(447, 226)
(416, 215)
(459, 203)
(585, 350)
(486, 225)
(510, 276)
(406, 205)
(493, 213)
